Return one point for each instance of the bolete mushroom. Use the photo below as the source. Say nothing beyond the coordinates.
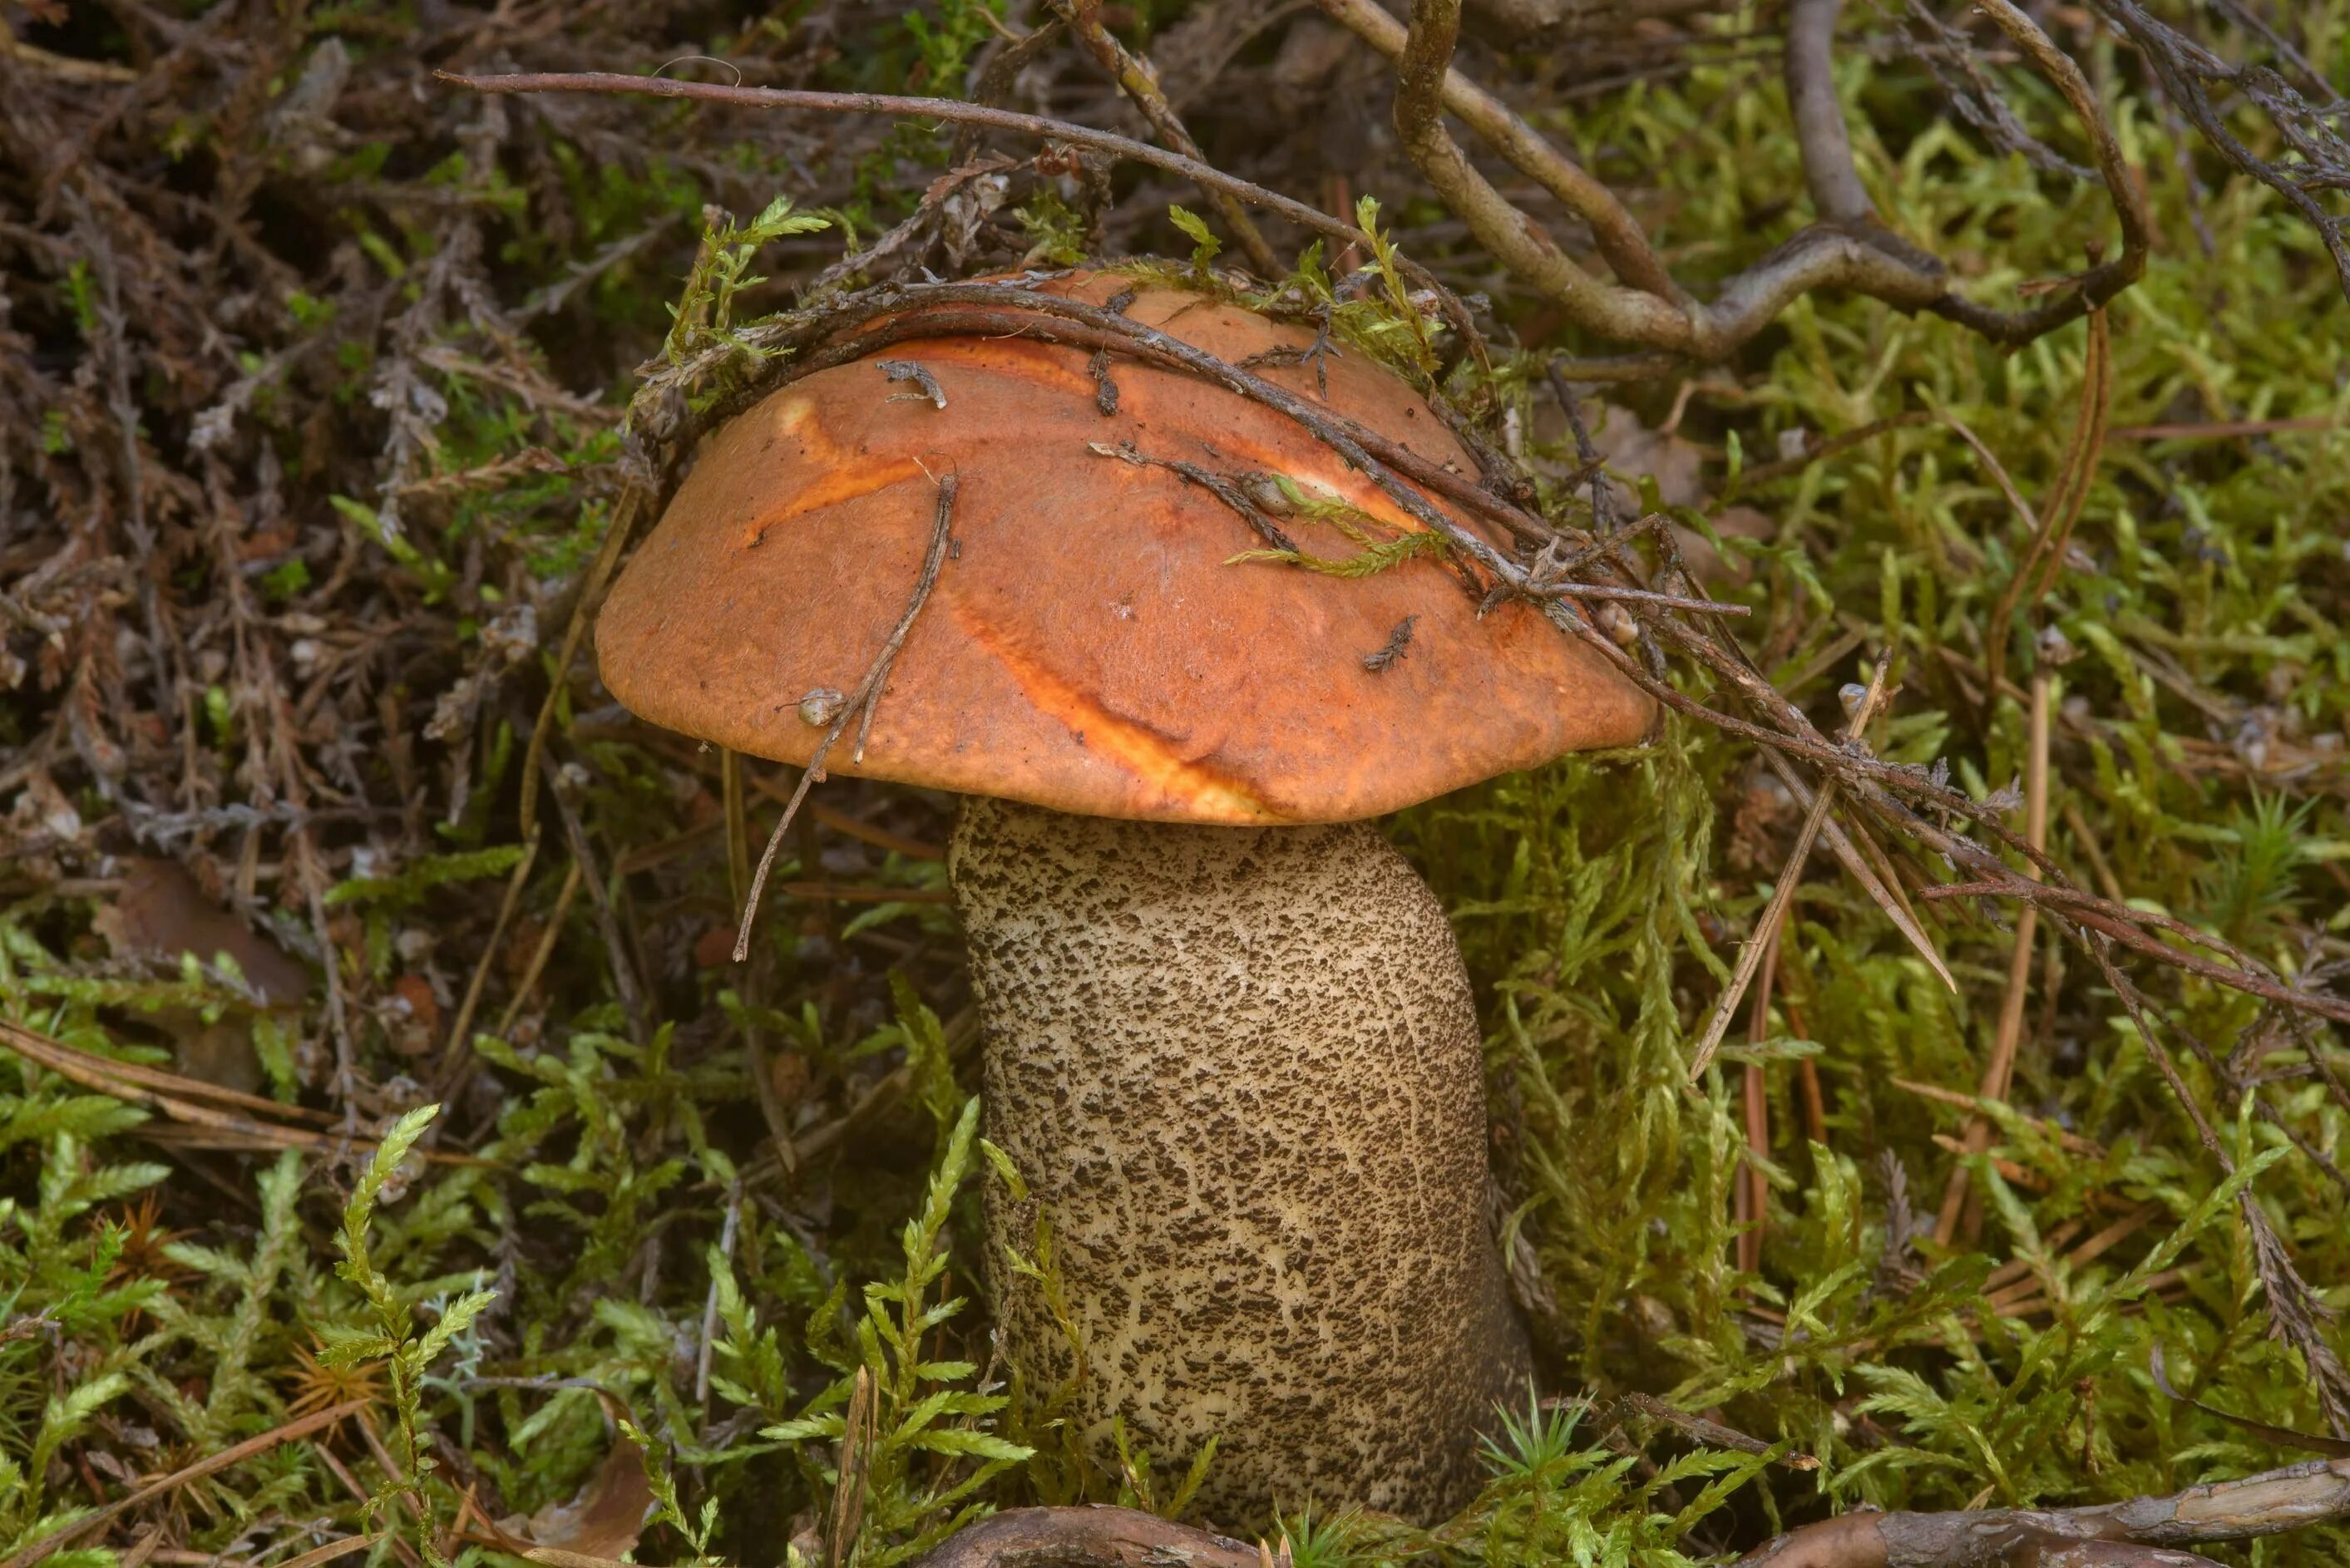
(1229, 1039)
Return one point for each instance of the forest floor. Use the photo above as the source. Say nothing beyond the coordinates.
(393, 1160)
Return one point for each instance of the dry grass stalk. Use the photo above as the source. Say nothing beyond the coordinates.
(57, 1539)
(1999, 1069)
(1754, 1195)
(1751, 958)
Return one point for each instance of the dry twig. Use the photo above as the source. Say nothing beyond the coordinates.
(1764, 941)
(1999, 1066)
(859, 704)
(210, 1464)
(1848, 249)
(2146, 1532)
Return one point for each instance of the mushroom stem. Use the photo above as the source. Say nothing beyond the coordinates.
(1239, 1069)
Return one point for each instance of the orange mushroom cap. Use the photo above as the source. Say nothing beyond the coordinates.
(1089, 646)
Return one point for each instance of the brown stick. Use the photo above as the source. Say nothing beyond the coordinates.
(1959, 1203)
(626, 509)
(457, 1049)
(859, 704)
(1766, 935)
(2265, 1505)
(2227, 430)
(1089, 1536)
(128, 1082)
(1136, 78)
(952, 111)
(1753, 1191)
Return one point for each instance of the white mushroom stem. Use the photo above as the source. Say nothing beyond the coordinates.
(1239, 1070)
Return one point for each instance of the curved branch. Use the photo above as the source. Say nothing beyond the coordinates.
(2102, 281)
(1085, 1536)
(1879, 265)
(1619, 237)
(1847, 250)
(2144, 1531)
(1515, 240)
(1821, 135)
(1136, 78)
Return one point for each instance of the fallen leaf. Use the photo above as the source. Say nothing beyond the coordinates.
(1730, 523)
(715, 948)
(161, 910)
(791, 1076)
(1632, 449)
(607, 1516)
(413, 1034)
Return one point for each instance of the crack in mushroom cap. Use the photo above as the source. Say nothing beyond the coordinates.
(1088, 646)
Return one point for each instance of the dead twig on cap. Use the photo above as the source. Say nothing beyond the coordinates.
(859, 704)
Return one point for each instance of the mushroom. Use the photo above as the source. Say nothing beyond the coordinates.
(1229, 1039)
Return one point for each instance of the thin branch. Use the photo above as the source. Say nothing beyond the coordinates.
(456, 1049)
(1786, 467)
(2103, 281)
(2051, 531)
(2123, 923)
(1960, 69)
(1766, 930)
(1632, 596)
(859, 705)
(1877, 880)
(2264, 1504)
(1821, 135)
(1998, 1069)
(599, 898)
(1140, 82)
(1615, 234)
(60, 1539)
(951, 110)
(1085, 1536)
